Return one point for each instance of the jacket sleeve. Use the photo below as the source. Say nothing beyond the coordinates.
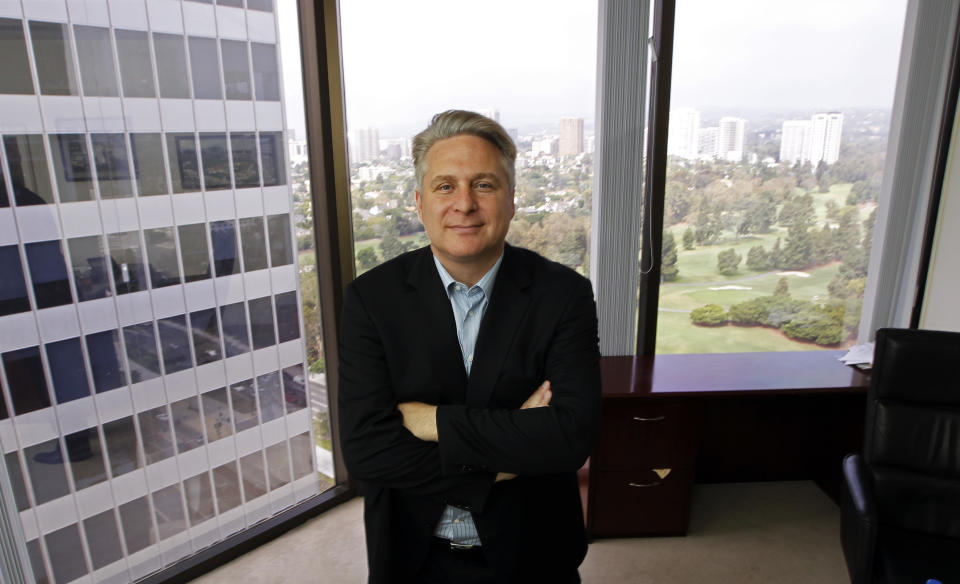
(546, 440)
(376, 447)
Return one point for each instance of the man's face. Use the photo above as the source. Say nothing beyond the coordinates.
(466, 204)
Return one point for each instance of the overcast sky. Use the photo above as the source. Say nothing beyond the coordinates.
(535, 60)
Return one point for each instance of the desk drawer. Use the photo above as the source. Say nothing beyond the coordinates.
(643, 436)
(640, 503)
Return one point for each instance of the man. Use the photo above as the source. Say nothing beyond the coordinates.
(469, 382)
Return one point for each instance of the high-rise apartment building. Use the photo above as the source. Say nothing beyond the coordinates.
(365, 145)
(813, 140)
(571, 136)
(795, 141)
(682, 136)
(152, 359)
(732, 132)
(708, 143)
(493, 114)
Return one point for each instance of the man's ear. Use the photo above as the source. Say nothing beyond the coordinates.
(416, 195)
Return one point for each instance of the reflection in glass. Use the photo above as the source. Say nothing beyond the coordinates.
(48, 271)
(288, 316)
(271, 156)
(106, 363)
(71, 165)
(86, 458)
(136, 71)
(244, 405)
(271, 397)
(162, 257)
(47, 474)
(224, 238)
(216, 414)
(246, 170)
(141, 344)
(126, 259)
(206, 335)
(261, 322)
(28, 169)
(236, 70)
(278, 465)
(171, 65)
(113, 170)
(234, 3)
(67, 371)
(254, 481)
(184, 168)
(103, 539)
(187, 426)
(156, 433)
(36, 561)
(66, 555)
(51, 50)
(300, 454)
(25, 380)
(89, 265)
(14, 68)
(266, 5)
(204, 68)
(216, 165)
(294, 388)
(4, 200)
(15, 472)
(281, 249)
(266, 80)
(121, 439)
(227, 485)
(138, 530)
(96, 60)
(148, 170)
(252, 241)
(168, 509)
(236, 341)
(13, 288)
(199, 498)
(174, 343)
(194, 252)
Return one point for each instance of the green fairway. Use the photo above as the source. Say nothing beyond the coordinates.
(676, 334)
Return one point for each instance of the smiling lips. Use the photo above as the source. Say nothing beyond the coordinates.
(465, 227)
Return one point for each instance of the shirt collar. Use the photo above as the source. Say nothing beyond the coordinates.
(485, 283)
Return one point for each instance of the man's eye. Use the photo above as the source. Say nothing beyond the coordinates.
(445, 188)
(484, 185)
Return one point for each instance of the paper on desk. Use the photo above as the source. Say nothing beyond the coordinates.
(859, 355)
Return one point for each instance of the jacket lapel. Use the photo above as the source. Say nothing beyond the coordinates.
(500, 323)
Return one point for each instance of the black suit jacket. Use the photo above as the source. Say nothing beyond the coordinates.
(398, 343)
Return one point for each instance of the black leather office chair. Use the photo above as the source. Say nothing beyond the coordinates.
(900, 516)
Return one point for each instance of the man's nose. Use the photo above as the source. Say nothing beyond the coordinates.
(466, 199)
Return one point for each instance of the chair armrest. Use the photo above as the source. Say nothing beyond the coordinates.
(858, 520)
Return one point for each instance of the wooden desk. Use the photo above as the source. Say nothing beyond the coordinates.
(672, 420)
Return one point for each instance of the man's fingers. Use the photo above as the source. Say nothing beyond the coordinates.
(539, 398)
(504, 476)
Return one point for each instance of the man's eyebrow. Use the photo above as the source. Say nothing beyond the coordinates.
(443, 178)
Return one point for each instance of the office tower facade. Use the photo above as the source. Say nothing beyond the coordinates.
(152, 355)
(795, 141)
(571, 137)
(826, 130)
(732, 132)
(366, 145)
(493, 114)
(708, 143)
(682, 136)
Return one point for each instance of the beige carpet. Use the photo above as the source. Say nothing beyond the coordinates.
(787, 533)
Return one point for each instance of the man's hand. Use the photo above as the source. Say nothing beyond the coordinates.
(420, 419)
(538, 399)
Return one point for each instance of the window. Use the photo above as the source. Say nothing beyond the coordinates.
(244, 401)
(186, 424)
(236, 340)
(67, 371)
(48, 271)
(216, 414)
(4, 199)
(171, 66)
(89, 265)
(103, 539)
(45, 465)
(168, 511)
(270, 396)
(157, 435)
(14, 69)
(71, 164)
(174, 343)
(86, 458)
(199, 498)
(227, 485)
(184, 168)
(216, 165)
(236, 69)
(28, 169)
(281, 251)
(138, 529)
(162, 257)
(223, 236)
(261, 322)
(141, 344)
(272, 160)
(194, 252)
(246, 171)
(204, 68)
(294, 390)
(121, 439)
(253, 244)
(288, 322)
(25, 380)
(13, 290)
(96, 60)
(106, 360)
(16, 480)
(51, 51)
(113, 170)
(136, 69)
(126, 258)
(206, 336)
(266, 5)
(266, 80)
(148, 169)
(254, 480)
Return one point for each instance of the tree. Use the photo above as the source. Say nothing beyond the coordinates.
(797, 210)
(775, 253)
(688, 238)
(709, 315)
(783, 288)
(668, 268)
(797, 249)
(391, 247)
(758, 215)
(727, 261)
(758, 259)
(367, 258)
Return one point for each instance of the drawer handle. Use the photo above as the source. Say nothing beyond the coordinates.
(642, 485)
(656, 419)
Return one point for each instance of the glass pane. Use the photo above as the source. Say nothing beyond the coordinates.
(51, 50)
(138, 528)
(204, 68)
(141, 344)
(168, 509)
(66, 556)
(288, 317)
(254, 244)
(187, 426)
(266, 80)
(184, 168)
(14, 69)
(270, 395)
(13, 289)
(113, 170)
(96, 60)
(89, 264)
(162, 257)
(771, 192)
(148, 167)
(36, 561)
(244, 401)
(25, 380)
(48, 271)
(246, 171)
(15, 472)
(234, 3)
(216, 166)
(171, 66)
(194, 252)
(28, 169)
(68, 373)
(236, 341)
(136, 69)
(266, 5)
(216, 414)
(301, 456)
(106, 362)
(227, 486)
(121, 439)
(281, 245)
(206, 335)
(71, 165)
(199, 498)
(294, 389)
(271, 157)
(174, 343)
(45, 465)
(103, 539)
(254, 481)
(261, 322)
(224, 238)
(236, 69)
(278, 465)
(127, 261)
(4, 199)
(86, 458)
(157, 436)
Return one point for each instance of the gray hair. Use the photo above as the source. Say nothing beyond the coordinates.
(457, 123)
